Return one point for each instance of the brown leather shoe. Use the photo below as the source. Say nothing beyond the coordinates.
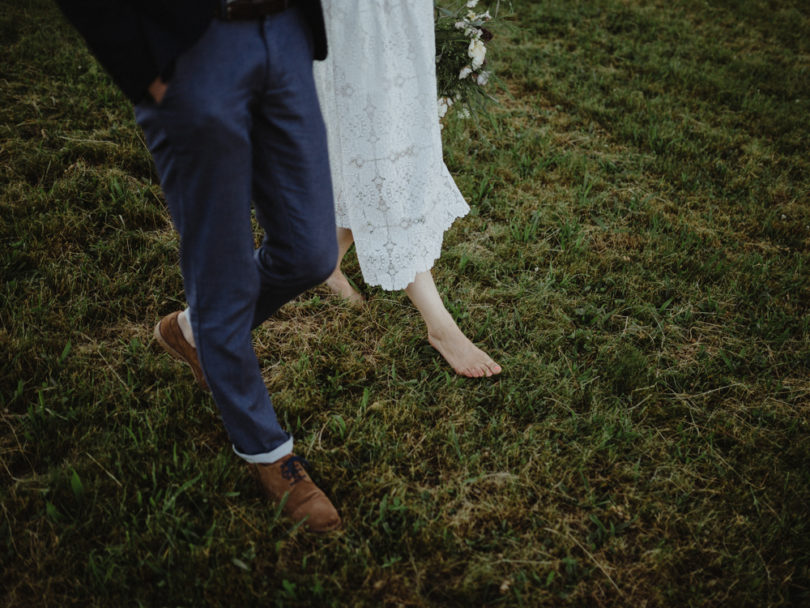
(305, 501)
(170, 337)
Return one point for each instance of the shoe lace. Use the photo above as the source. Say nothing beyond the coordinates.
(292, 469)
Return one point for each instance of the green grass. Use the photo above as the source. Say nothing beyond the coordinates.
(637, 258)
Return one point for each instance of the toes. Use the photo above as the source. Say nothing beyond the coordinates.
(486, 369)
(492, 367)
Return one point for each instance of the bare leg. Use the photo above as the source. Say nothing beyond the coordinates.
(443, 333)
(337, 281)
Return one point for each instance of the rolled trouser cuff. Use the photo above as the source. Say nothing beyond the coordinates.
(268, 457)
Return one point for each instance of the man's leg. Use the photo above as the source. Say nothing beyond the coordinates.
(292, 187)
(200, 137)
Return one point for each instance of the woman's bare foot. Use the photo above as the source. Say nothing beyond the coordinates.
(340, 286)
(337, 281)
(443, 333)
(462, 355)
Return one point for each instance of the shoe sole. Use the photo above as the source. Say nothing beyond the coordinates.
(177, 355)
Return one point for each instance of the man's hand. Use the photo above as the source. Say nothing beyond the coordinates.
(157, 89)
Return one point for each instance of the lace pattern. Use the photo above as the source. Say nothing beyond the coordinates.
(378, 95)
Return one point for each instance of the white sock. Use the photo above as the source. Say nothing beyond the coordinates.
(184, 320)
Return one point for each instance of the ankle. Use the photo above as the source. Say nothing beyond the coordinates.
(336, 277)
(442, 327)
(185, 328)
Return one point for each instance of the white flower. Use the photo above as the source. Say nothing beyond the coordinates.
(482, 79)
(472, 3)
(465, 71)
(477, 53)
(444, 106)
(464, 113)
(469, 30)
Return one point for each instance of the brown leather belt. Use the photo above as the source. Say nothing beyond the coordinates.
(238, 10)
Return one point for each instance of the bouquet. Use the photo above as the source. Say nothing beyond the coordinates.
(461, 52)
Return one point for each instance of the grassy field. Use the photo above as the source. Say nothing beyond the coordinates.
(637, 258)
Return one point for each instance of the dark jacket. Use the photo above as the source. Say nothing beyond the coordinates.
(138, 40)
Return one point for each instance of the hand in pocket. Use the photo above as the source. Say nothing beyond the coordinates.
(157, 89)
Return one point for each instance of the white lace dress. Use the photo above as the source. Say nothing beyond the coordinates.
(378, 95)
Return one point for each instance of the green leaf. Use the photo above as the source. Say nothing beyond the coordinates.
(76, 485)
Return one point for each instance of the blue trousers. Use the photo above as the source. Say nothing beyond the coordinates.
(240, 122)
